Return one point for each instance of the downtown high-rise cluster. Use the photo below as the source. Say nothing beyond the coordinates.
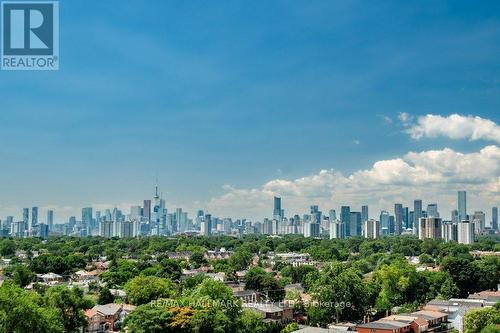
(152, 218)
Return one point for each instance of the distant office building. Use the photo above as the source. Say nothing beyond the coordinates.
(106, 229)
(364, 213)
(462, 206)
(411, 216)
(372, 229)
(26, 217)
(479, 220)
(34, 216)
(432, 210)
(494, 218)
(315, 214)
(429, 228)
(50, 219)
(356, 226)
(312, 229)
(181, 220)
(206, 225)
(391, 225)
(417, 214)
(127, 229)
(455, 217)
(449, 231)
(33, 223)
(71, 224)
(147, 210)
(135, 213)
(398, 219)
(87, 217)
(345, 218)
(277, 211)
(43, 230)
(267, 227)
(332, 215)
(336, 230)
(384, 222)
(406, 218)
(18, 229)
(9, 221)
(466, 232)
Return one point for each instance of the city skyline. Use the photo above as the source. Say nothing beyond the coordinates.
(278, 212)
(154, 218)
(321, 103)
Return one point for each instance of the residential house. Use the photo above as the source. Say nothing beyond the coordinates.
(86, 276)
(310, 329)
(247, 296)
(456, 308)
(271, 312)
(417, 324)
(50, 279)
(104, 318)
(384, 326)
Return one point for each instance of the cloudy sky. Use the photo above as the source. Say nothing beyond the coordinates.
(230, 103)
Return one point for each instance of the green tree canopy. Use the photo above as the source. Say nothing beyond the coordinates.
(143, 289)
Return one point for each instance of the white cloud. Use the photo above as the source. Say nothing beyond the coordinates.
(455, 127)
(386, 119)
(433, 176)
(405, 118)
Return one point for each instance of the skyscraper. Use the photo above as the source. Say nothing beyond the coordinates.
(50, 219)
(479, 220)
(371, 229)
(355, 226)
(429, 228)
(135, 213)
(43, 230)
(406, 218)
(26, 218)
(494, 218)
(449, 231)
(277, 209)
(465, 232)
(345, 219)
(147, 210)
(462, 206)
(454, 216)
(315, 214)
(34, 221)
(432, 210)
(332, 215)
(417, 214)
(384, 222)
(206, 225)
(181, 219)
(87, 218)
(398, 218)
(336, 229)
(364, 213)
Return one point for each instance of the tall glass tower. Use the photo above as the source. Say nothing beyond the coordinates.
(462, 206)
(494, 218)
(417, 214)
(277, 213)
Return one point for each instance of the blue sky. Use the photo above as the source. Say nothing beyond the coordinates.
(205, 94)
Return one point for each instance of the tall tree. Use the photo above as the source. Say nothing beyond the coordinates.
(144, 289)
(69, 304)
